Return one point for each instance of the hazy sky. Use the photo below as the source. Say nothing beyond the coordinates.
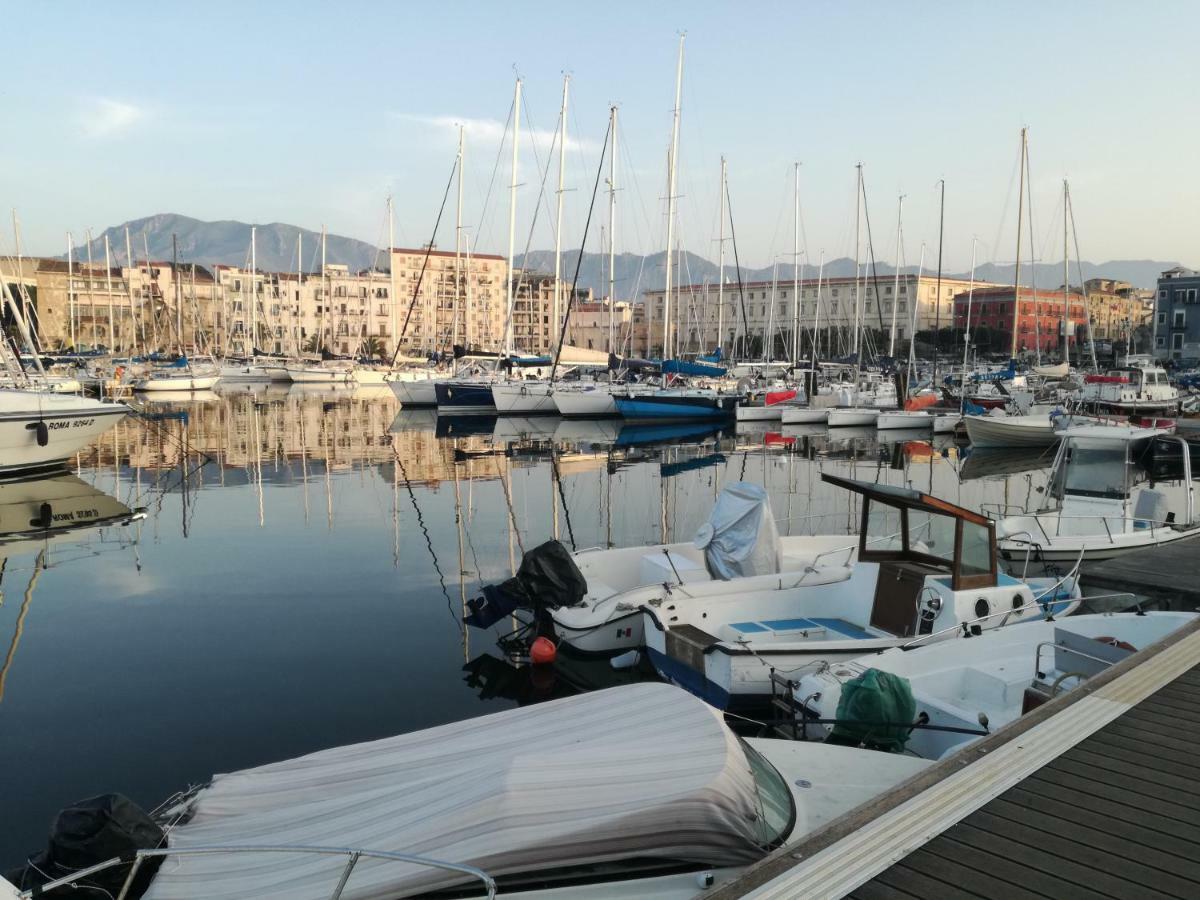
(311, 113)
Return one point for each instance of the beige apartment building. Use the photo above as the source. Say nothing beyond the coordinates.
(590, 324)
(702, 319)
(1117, 308)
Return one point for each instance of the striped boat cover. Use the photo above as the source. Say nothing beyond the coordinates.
(643, 770)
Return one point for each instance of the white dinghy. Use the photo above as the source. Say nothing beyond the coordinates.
(635, 791)
(738, 549)
(935, 574)
(41, 430)
(1097, 509)
(985, 682)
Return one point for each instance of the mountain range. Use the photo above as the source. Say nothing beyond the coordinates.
(228, 242)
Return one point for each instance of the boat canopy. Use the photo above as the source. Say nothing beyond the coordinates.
(695, 369)
(739, 539)
(929, 531)
(643, 772)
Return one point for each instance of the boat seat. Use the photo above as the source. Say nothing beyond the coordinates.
(777, 627)
(598, 590)
(844, 628)
(991, 690)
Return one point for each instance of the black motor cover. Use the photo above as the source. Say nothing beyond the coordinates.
(548, 578)
(90, 832)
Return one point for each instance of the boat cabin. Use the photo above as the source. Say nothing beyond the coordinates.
(914, 536)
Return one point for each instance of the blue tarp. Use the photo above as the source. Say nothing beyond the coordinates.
(683, 367)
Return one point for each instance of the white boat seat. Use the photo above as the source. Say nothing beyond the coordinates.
(820, 627)
(598, 590)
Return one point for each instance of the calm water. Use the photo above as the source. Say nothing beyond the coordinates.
(297, 580)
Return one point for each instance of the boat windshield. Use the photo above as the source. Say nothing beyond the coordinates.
(932, 534)
(775, 798)
(1096, 472)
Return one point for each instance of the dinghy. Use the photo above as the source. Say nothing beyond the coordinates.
(634, 791)
(933, 574)
(983, 683)
(41, 430)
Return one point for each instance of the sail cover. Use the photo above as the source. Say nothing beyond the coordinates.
(739, 539)
(640, 771)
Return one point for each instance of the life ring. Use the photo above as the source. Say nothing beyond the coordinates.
(120, 371)
(1116, 642)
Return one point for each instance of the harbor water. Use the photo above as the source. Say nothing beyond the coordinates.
(226, 580)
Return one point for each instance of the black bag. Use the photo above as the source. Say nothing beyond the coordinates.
(548, 578)
(89, 832)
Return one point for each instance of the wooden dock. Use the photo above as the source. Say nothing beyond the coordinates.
(1169, 575)
(1095, 794)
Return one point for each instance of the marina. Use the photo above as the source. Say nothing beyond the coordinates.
(526, 455)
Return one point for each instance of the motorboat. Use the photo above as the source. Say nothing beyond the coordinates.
(1097, 507)
(967, 688)
(41, 430)
(946, 423)
(1131, 389)
(672, 803)
(1038, 430)
(45, 508)
(925, 569)
(737, 549)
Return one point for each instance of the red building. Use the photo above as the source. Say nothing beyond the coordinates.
(1040, 316)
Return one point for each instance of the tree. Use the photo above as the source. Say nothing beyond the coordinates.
(374, 348)
(313, 344)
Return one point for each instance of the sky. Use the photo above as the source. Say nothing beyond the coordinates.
(313, 113)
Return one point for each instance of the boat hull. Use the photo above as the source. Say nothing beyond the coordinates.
(585, 403)
(988, 432)
(679, 407)
(909, 421)
(415, 393)
(841, 416)
(177, 383)
(465, 398)
(805, 415)
(319, 375)
(69, 427)
(524, 398)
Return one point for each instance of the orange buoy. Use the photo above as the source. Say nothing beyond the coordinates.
(542, 651)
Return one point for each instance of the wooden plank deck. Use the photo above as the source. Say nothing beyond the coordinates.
(1095, 794)
(1169, 574)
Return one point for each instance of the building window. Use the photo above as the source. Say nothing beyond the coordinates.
(904, 288)
(1177, 341)
(1160, 341)
(1162, 318)
(1191, 295)
(1177, 320)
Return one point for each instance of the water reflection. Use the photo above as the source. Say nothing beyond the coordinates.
(299, 579)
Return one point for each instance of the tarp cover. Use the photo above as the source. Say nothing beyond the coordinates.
(739, 539)
(876, 710)
(643, 770)
(547, 578)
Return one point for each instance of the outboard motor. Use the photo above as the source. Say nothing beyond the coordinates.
(548, 578)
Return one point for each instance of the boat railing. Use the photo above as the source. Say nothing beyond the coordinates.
(876, 540)
(352, 854)
(1037, 663)
(973, 627)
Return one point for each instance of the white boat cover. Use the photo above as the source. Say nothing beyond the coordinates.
(582, 356)
(639, 771)
(739, 539)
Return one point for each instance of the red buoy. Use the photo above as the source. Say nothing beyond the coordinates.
(543, 651)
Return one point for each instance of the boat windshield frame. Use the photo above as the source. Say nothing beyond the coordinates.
(905, 500)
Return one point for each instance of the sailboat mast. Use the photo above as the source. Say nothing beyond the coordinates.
(962, 394)
(1066, 329)
(458, 242)
(129, 287)
(1017, 268)
(796, 276)
(857, 264)
(21, 272)
(612, 229)
(90, 285)
(512, 218)
(299, 288)
(392, 278)
(721, 264)
(178, 290)
(817, 318)
(70, 292)
(937, 315)
(896, 279)
(112, 332)
(556, 320)
(671, 160)
(253, 290)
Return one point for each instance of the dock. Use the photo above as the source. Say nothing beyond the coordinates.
(1169, 574)
(1094, 794)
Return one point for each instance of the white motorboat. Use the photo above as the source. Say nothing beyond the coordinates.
(40, 429)
(992, 431)
(902, 419)
(769, 405)
(1131, 389)
(946, 423)
(933, 576)
(1097, 508)
(585, 400)
(673, 802)
(980, 684)
(737, 550)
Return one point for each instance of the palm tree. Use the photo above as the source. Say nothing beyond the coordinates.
(313, 344)
(373, 347)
